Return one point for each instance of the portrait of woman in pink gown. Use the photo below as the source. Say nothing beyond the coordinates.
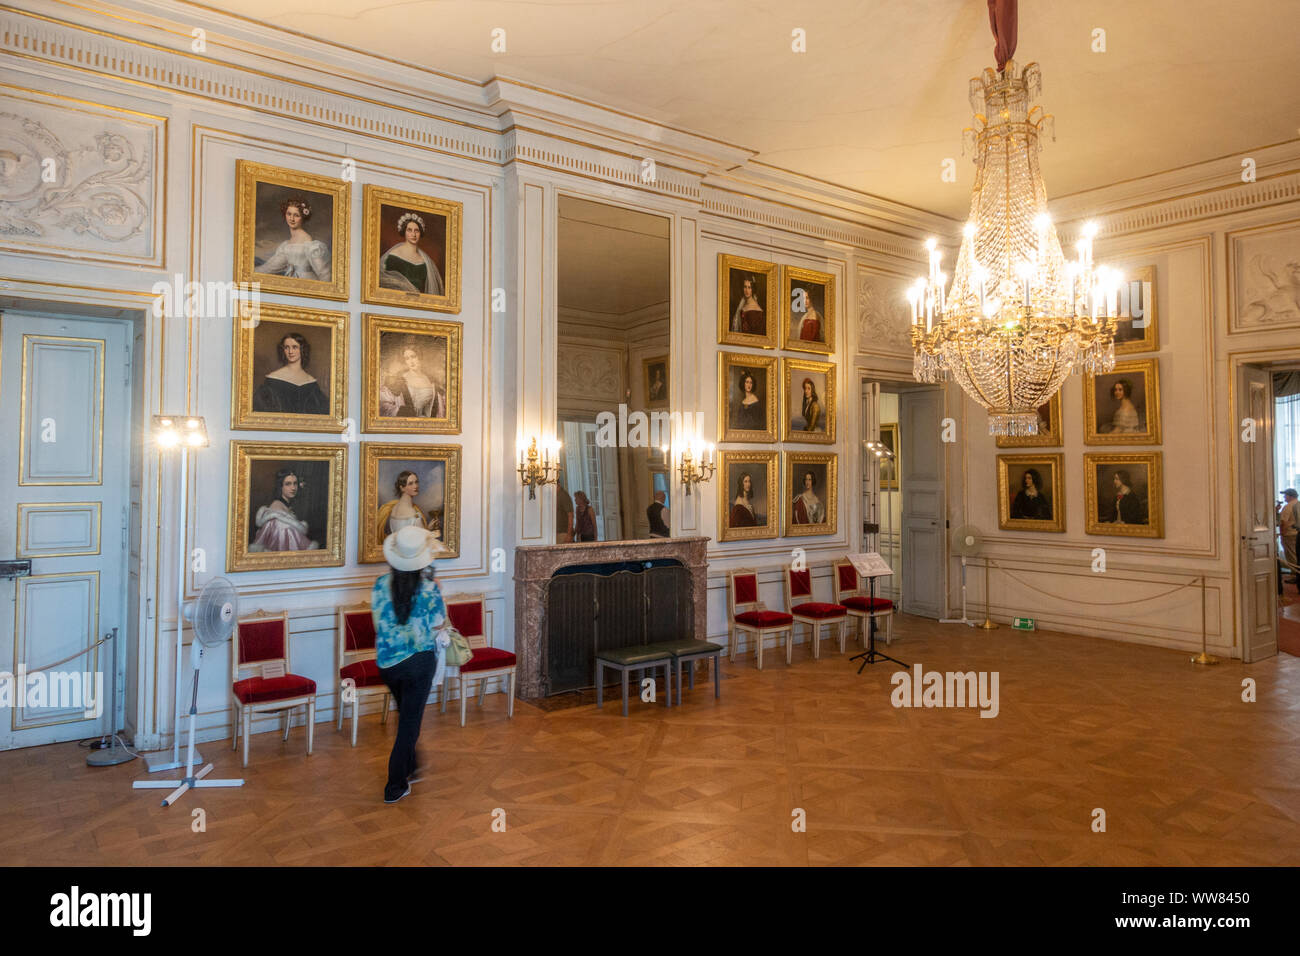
(278, 527)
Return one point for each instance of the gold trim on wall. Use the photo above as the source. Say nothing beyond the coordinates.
(727, 494)
(375, 198)
(247, 175)
(25, 509)
(1150, 368)
(242, 455)
(1007, 523)
(790, 274)
(242, 386)
(1155, 526)
(1045, 438)
(768, 362)
(1150, 341)
(771, 308)
(793, 459)
(789, 366)
(87, 661)
(372, 328)
(369, 543)
(98, 477)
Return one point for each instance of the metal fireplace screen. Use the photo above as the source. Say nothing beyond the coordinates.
(595, 607)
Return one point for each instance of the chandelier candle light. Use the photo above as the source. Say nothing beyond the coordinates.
(1018, 318)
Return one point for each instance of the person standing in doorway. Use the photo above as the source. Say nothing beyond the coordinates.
(409, 616)
(584, 523)
(1288, 516)
(563, 514)
(655, 515)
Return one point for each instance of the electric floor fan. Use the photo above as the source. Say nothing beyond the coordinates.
(966, 541)
(213, 618)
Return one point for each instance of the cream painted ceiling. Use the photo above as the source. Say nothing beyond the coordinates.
(879, 99)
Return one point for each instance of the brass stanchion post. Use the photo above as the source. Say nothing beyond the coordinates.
(988, 624)
(1203, 657)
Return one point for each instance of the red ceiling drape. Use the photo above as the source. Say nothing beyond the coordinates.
(1002, 19)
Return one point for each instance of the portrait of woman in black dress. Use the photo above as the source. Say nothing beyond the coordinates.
(291, 388)
(1031, 501)
(747, 412)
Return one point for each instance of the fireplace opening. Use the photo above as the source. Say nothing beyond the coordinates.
(594, 607)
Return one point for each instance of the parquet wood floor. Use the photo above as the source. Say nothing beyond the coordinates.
(1187, 773)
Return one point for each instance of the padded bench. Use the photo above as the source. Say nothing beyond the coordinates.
(690, 651)
(639, 658)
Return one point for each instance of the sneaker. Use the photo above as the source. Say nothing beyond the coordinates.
(399, 797)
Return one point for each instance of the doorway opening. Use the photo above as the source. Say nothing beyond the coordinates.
(1286, 481)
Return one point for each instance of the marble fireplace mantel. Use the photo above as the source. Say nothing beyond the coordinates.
(535, 564)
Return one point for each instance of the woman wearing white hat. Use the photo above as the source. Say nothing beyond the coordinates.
(410, 617)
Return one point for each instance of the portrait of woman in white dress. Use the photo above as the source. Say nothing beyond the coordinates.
(301, 256)
(402, 511)
(807, 507)
(409, 491)
(408, 390)
(279, 528)
(405, 267)
(1125, 420)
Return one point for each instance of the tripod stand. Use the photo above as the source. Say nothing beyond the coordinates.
(871, 655)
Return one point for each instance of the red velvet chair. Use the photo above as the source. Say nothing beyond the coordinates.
(853, 593)
(749, 615)
(812, 614)
(261, 644)
(466, 614)
(354, 655)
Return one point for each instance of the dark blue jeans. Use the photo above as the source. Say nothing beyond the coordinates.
(409, 682)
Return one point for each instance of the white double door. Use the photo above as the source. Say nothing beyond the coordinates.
(65, 434)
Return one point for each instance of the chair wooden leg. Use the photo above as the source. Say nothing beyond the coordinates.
(510, 701)
(338, 723)
(789, 645)
(461, 686)
(717, 678)
(624, 691)
(889, 629)
(288, 722)
(311, 725)
(482, 689)
(759, 634)
(731, 644)
(234, 727)
(839, 627)
(447, 679)
(248, 726)
(356, 716)
(816, 630)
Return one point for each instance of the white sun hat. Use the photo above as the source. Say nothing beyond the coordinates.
(412, 548)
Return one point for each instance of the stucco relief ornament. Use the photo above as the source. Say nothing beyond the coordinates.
(882, 316)
(97, 189)
(592, 374)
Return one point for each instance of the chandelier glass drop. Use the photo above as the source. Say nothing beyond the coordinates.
(1018, 318)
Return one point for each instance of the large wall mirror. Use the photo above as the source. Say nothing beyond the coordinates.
(614, 282)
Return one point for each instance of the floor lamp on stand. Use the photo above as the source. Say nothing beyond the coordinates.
(871, 565)
(182, 433)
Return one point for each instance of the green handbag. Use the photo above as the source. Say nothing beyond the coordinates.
(458, 652)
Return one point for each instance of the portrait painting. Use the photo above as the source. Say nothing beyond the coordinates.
(1122, 407)
(808, 310)
(1264, 277)
(748, 312)
(810, 493)
(291, 231)
(411, 375)
(1031, 492)
(889, 466)
(404, 486)
(1125, 494)
(747, 397)
(286, 505)
(1137, 326)
(808, 413)
(411, 251)
(1049, 428)
(655, 376)
(290, 371)
(747, 495)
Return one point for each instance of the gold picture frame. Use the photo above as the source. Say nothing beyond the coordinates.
(802, 503)
(890, 467)
(276, 403)
(818, 296)
(263, 197)
(1140, 292)
(764, 482)
(794, 421)
(649, 366)
(381, 464)
(1144, 471)
(733, 413)
(313, 514)
(388, 405)
(732, 322)
(1143, 412)
(1021, 510)
(388, 215)
(1050, 433)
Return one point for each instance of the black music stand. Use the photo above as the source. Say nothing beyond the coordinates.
(871, 655)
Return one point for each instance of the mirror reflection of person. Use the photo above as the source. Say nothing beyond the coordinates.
(278, 528)
(1031, 502)
(405, 267)
(742, 509)
(300, 256)
(409, 392)
(812, 409)
(290, 388)
(402, 511)
(808, 508)
(657, 515)
(749, 317)
(1125, 506)
(584, 517)
(1125, 421)
(563, 513)
(747, 413)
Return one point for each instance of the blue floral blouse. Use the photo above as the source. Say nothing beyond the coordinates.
(396, 642)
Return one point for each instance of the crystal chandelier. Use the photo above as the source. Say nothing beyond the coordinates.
(1018, 318)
